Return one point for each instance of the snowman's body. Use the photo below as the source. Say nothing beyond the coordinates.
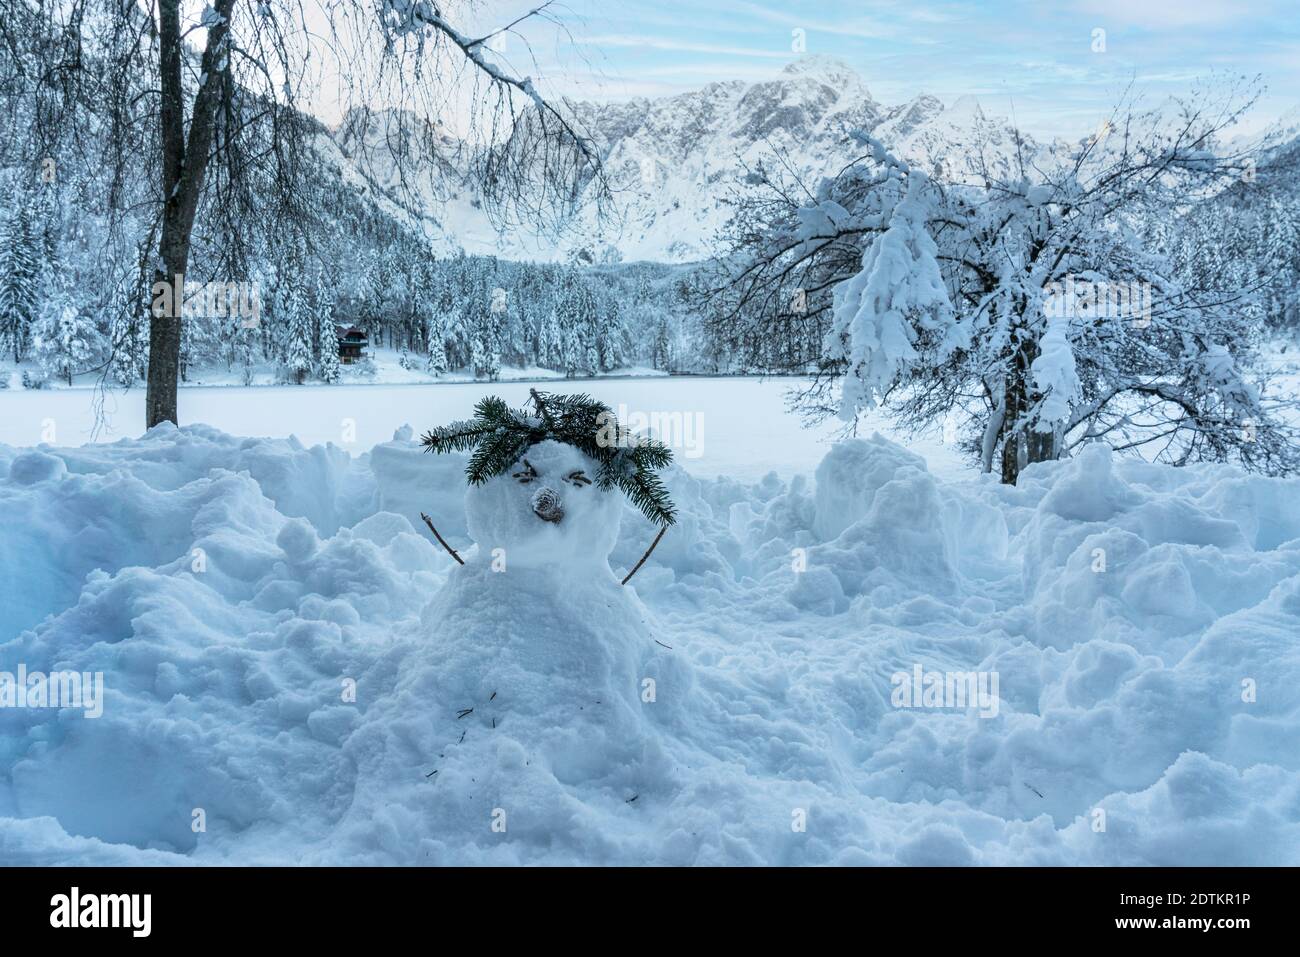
(557, 660)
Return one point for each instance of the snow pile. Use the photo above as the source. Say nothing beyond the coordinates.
(295, 672)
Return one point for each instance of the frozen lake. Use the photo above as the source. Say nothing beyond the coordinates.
(738, 427)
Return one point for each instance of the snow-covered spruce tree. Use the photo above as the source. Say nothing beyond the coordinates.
(130, 349)
(435, 330)
(1024, 305)
(296, 323)
(437, 361)
(549, 352)
(327, 343)
(576, 316)
(20, 277)
(485, 359)
(63, 338)
(661, 356)
(611, 335)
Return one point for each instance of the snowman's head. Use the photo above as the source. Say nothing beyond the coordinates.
(546, 507)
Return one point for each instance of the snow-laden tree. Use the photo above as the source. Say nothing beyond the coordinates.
(576, 316)
(196, 113)
(436, 363)
(63, 339)
(20, 277)
(485, 359)
(1026, 307)
(327, 343)
(549, 340)
(611, 335)
(297, 323)
(896, 300)
(1245, 244)
(129, 349)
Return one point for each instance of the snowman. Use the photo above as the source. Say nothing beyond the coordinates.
(544, 677)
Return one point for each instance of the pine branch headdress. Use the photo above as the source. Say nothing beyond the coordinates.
(498, 436)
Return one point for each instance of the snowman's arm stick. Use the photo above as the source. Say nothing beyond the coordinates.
(646, 555)
(451, 551)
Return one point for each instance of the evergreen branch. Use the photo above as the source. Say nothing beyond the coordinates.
(457, 437)
(498, 436)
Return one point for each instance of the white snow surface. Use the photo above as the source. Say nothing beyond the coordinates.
(692, 717)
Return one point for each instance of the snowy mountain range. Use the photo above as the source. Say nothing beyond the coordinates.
(673, 161)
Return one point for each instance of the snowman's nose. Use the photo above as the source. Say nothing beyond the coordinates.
(547, 504)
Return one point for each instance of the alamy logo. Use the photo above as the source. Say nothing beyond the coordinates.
(58, 689)
(677, 429)
(1098, 299)
(102, 910)
(208, 300)
(957, 690)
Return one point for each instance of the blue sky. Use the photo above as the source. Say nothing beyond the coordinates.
(1033, 59)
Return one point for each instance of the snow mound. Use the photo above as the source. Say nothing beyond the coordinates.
(849, 476)
(294, 671)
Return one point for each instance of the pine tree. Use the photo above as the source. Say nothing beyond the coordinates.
(575, 314)
(437, 361)
(327, 343)
(19, 277)
(130, 349)
(486, 360)
(662, 345)
(570, 352)
(611, 335)
(435, 339)
(549, 351)
(297, 323)
(63, 339)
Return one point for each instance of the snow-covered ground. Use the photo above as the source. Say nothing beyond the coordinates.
(294, 672)
(717, 426)
(384, 367)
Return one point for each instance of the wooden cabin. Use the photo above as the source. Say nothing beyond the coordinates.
(352, 344)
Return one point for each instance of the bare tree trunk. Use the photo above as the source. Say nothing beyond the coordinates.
(184, 165)
(1013, 406)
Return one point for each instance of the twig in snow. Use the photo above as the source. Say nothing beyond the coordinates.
(638, 565)
(450, 551)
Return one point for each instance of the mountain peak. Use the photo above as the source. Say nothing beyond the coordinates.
(826, 69)
(964, 107)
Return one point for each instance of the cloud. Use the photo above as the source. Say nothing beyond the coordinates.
(684, 46)
(1157, 14)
